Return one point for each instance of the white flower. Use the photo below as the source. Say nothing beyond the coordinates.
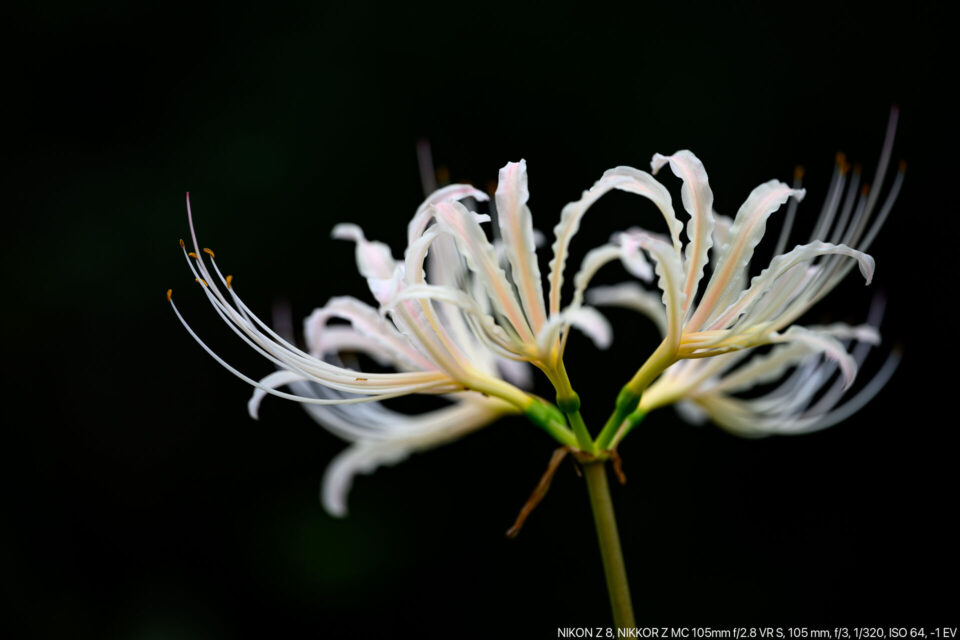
(730, 315)
(804, 392)
(464, 318)
(448, 320)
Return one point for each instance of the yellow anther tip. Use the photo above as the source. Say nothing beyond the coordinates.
(192, 255)
(208, 252)
(865, 189)
(169, 294)
(201, 281)
(229, 280)
(182, 244)
(798, 172)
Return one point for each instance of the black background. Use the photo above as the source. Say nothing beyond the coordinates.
(142, 502)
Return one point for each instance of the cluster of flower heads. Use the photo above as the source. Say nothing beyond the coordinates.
(467, 318)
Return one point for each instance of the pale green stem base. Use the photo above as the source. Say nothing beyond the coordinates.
(610, 551)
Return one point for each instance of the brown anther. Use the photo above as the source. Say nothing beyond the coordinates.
(182, 244)
(192, 255)
(841, 158)
(865, 189)
(903, 166)
(857, 169)
(360, 379)
(539, 491)
(844, 168)
(208, 252)
(443, 175)
(201, 281)
(169, 294)
(229, 280)
(798, 172)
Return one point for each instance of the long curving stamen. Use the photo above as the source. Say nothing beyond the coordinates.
(372, 398)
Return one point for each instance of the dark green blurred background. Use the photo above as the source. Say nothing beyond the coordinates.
(142, 502)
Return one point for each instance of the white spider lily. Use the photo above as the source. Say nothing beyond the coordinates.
(449, 321)
(807, 396)
(509, 312)
(731, 315)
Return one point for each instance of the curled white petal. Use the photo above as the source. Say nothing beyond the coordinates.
(697, 198)
(622, 178)
(670, 272)
(516, 228)
(742, 239)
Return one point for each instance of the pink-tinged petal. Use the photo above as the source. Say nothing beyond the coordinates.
(374, 259)
(489, 329)
(632, 257)
(593, 325)
(385, 290)
(367, 321)
(446, 267)
(670, 272)
(625, 179)
(516, 228)
(697, 198)
(587, 319)
(721, 232)
(418, 319)
(482, 260)
(743, 237)
(449, 193)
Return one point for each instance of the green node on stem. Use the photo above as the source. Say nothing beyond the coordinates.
(568, 403)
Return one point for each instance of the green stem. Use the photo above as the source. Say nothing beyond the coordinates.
(627, 402)
(569, 402)
(629, 398)
(584, 441)
(610, 551)
(551, 420)
(630, 422)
